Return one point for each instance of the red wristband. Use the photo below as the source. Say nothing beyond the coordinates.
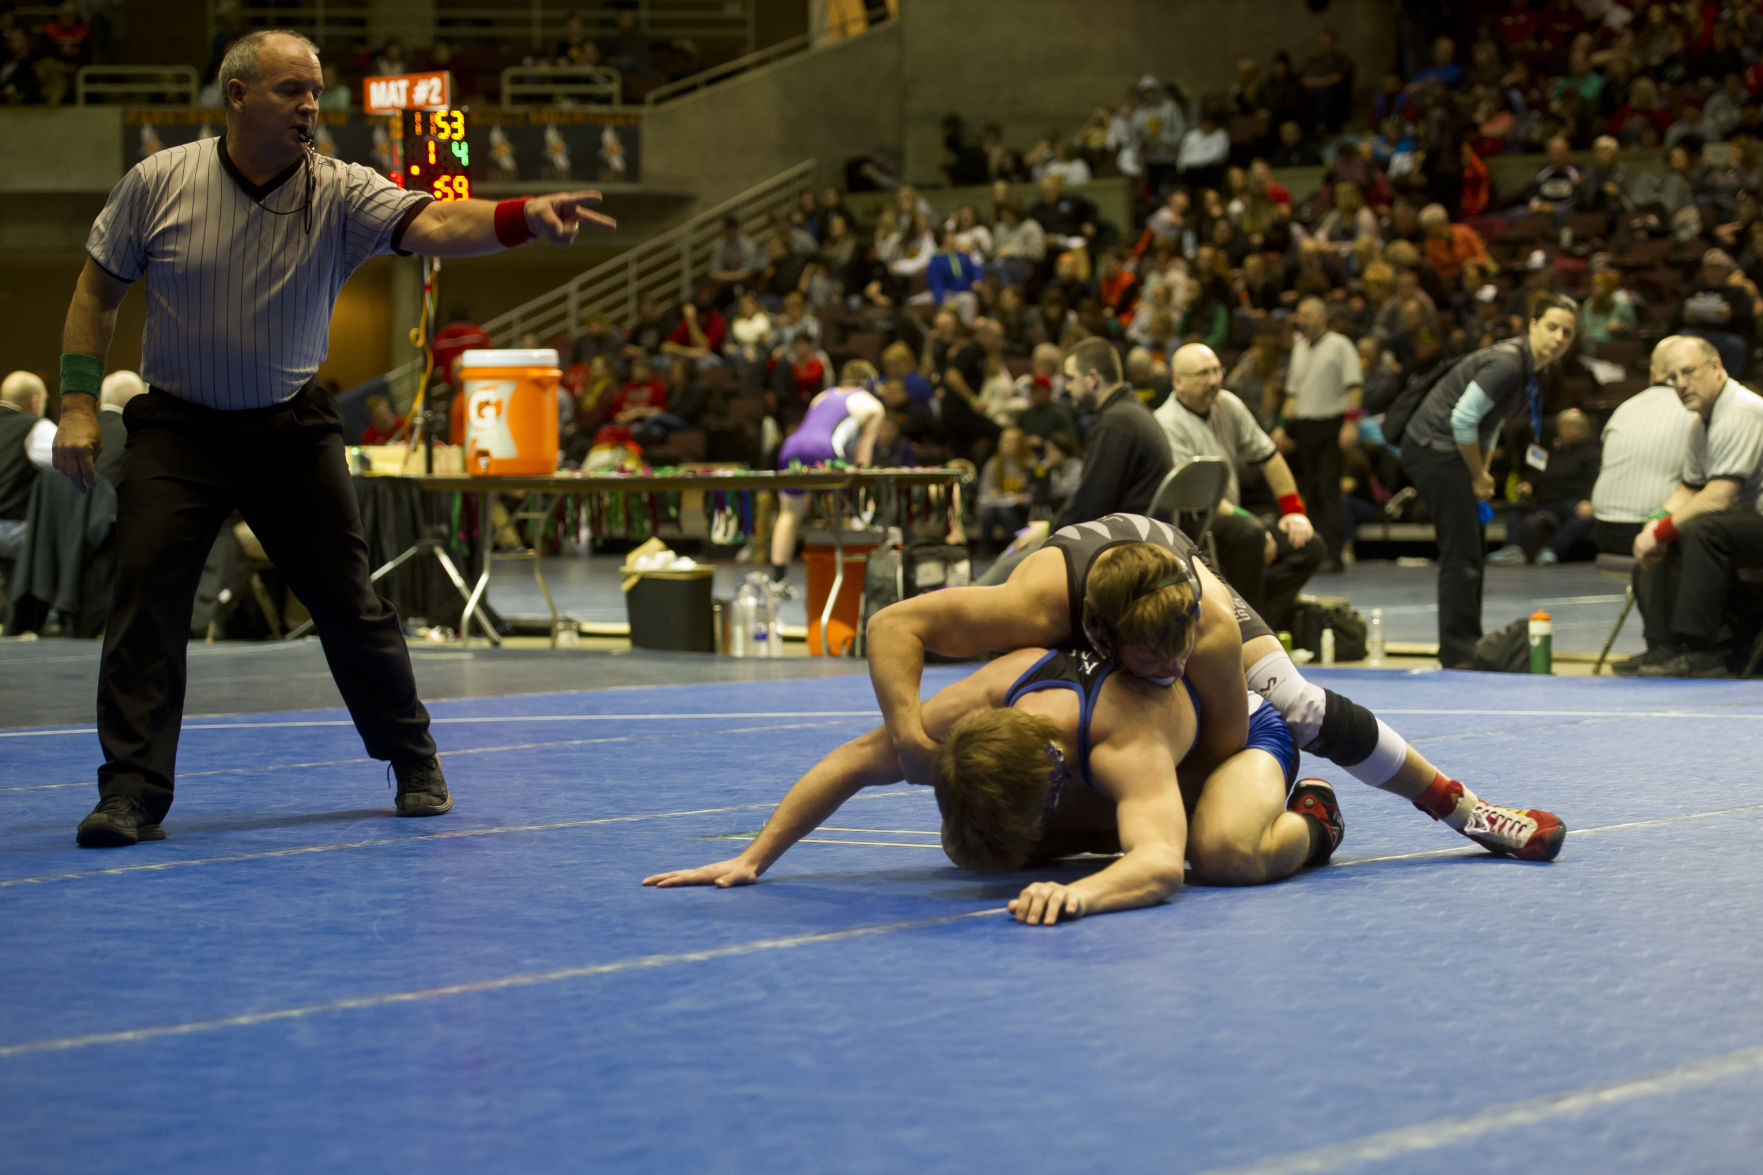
(511, 226)
(1354, 414)
(1666, 531)
(1291, 504)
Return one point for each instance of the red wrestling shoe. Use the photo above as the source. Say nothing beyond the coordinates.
(1314, 799)
(1530, 834)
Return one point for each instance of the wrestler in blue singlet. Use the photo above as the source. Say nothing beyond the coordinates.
(1083, 673)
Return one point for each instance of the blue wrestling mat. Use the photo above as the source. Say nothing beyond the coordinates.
(298, 981)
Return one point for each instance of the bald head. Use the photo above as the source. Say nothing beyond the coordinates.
(1573, 426)
(1197, 376)
(24, 391)
(1657, 359)
(120, 387)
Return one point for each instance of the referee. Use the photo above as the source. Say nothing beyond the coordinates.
(244, 242)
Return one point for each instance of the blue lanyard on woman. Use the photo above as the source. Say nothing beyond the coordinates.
(1536, 411)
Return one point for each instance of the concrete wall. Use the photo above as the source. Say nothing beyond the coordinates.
(842, 101)
(1043, 65)
(61, 149)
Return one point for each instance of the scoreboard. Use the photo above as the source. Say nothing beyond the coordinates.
(436, 153)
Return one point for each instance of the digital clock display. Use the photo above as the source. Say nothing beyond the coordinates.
(437, 153)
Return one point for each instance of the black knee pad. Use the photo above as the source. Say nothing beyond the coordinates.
(1349, 731)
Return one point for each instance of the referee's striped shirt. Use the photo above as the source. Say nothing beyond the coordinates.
(241, 279)
(1646, 445)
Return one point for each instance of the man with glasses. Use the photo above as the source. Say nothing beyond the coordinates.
(1267, 566)
(1709, 527)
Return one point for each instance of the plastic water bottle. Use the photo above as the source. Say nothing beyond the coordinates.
(770, 629)
(1374, 637)
(743, 620)
(1327, 649)
(1542, 639)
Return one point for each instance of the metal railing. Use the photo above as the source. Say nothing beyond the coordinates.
(322, 20)
(597, 84)
(666, 267)
(851, 26)
(533, 22)
(137, 85)
(539, 22)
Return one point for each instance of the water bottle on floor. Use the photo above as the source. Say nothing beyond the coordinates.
(1542, 640)
(1374, 637)
(745, 614)
(770, 622)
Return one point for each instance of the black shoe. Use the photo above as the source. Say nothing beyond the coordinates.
(1633, 666)
(422, 790)
(117, 821)
(1690, 663)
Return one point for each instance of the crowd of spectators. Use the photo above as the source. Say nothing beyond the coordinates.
(39, 57)
(1415, 257)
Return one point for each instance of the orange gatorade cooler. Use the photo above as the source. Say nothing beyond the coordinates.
(510, 411)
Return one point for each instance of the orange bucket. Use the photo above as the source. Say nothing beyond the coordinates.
(822, 568)
(510, 411)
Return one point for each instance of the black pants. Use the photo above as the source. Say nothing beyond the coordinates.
(1443, 483)
(1615, 538)
(1317, 466)
(1555, 525)
(188, 468)
(1684, 599)
(1269, 588)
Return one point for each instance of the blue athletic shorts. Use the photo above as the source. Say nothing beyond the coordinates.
(1268, 732)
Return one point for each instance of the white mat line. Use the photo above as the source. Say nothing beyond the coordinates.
(1465, 850)
(892, 844)
(1584, 713)
(480, 720)
(1441, 1132)
(885, 831)
(302, 850)
(259, 768)
(476, 987)
(475, 720)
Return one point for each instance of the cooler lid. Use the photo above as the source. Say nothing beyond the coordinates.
(534, 357)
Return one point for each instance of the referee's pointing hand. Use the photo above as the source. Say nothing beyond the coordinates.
(558, 216)
(77, 442)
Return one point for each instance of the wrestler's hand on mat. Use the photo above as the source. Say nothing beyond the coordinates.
(1045, 902)
(558, 216)
(723, 874)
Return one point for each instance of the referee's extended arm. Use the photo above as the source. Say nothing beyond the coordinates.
(470, 228)
(91, 320)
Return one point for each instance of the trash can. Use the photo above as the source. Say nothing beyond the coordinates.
(670, 610)
(842, 628)
(510, 411)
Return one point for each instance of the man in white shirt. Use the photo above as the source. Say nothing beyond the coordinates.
(1323, 387)
(1267, 567)
(1204, 152)
(1645, 444)
(1709, 526)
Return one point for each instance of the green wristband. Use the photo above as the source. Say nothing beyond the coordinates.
(1241, 513)
(81, 373)
(1656, 515)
